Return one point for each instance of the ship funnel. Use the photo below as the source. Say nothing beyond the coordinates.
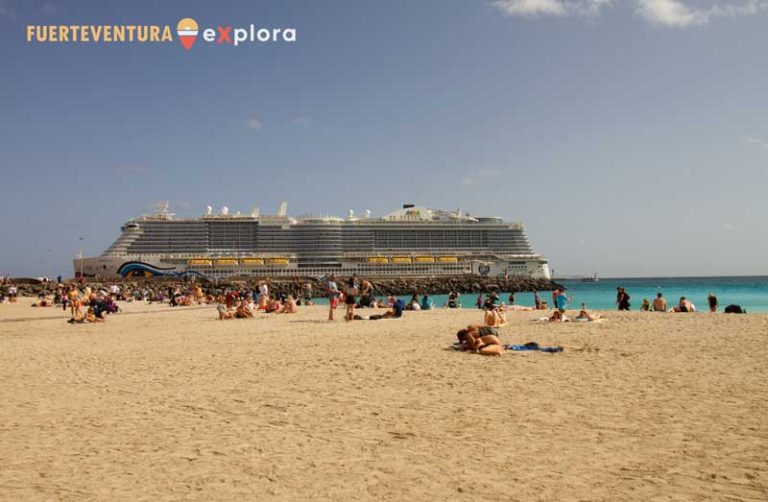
(208, 210)
(224, 211)
(350, 214)
(283, 209)
(255, 212)
(458, 212)
(367, 213)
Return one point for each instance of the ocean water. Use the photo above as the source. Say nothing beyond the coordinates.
(749, 292)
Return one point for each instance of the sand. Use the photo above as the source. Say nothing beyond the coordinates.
(171, 404)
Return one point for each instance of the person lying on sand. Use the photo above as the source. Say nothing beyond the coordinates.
(584, 315)
(519, 308)
(44, 301)
(558, 316)
(482, 340)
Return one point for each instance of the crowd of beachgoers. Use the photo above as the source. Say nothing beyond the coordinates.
(86, 301)
(353, 295)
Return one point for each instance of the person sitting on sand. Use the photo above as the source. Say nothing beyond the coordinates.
(558, 316)
(646, 305)
(264, 301)
(659, 303)
(273, 305)
(495, 317)
(426, 303)
(453, 300)
(397, 310)
(289, 307)
(224, 312)
(91, 316)
(243, 310)
(480, 339)
(712, 301)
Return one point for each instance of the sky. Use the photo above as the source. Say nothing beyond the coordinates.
(630, 137)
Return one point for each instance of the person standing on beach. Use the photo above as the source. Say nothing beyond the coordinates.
(712, 300)
(622, 299)
(13, 292)
(349, 298)
(512, 298)
(263, 291)
(561, 301)
(537, 300)
(333, 296)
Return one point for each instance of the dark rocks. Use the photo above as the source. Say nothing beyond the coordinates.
(390, 286)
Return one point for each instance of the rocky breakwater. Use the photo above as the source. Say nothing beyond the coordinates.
(286, 286)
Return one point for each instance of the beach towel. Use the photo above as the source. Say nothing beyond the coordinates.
(533, 346)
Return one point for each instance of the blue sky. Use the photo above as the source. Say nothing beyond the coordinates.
(629, 136)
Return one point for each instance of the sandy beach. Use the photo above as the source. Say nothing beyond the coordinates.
(172, 404)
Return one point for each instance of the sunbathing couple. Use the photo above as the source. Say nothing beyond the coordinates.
(89, 316)
(584, 315)
(482, 340)
(246, 308)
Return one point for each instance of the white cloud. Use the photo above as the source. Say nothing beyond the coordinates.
(681, 14)
(668, 13)
(537, 8)
(253, 123)
(756, 142)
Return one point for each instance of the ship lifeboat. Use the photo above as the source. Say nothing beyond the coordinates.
(378, 259)
(252, 261)
(228, 262)
(199, 262)
(424, 259)
(448, 259)
(401, 259)
(278, 261)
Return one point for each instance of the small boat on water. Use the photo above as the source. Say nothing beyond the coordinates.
(594, 278)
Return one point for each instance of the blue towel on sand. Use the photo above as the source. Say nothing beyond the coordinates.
(533, 346)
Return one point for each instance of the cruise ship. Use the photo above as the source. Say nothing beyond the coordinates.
(411, 241)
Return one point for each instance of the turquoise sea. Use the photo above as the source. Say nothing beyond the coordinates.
(749, 292)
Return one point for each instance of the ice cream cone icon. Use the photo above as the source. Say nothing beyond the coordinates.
(187, 32)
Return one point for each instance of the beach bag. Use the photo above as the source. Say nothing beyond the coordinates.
(734, 309)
